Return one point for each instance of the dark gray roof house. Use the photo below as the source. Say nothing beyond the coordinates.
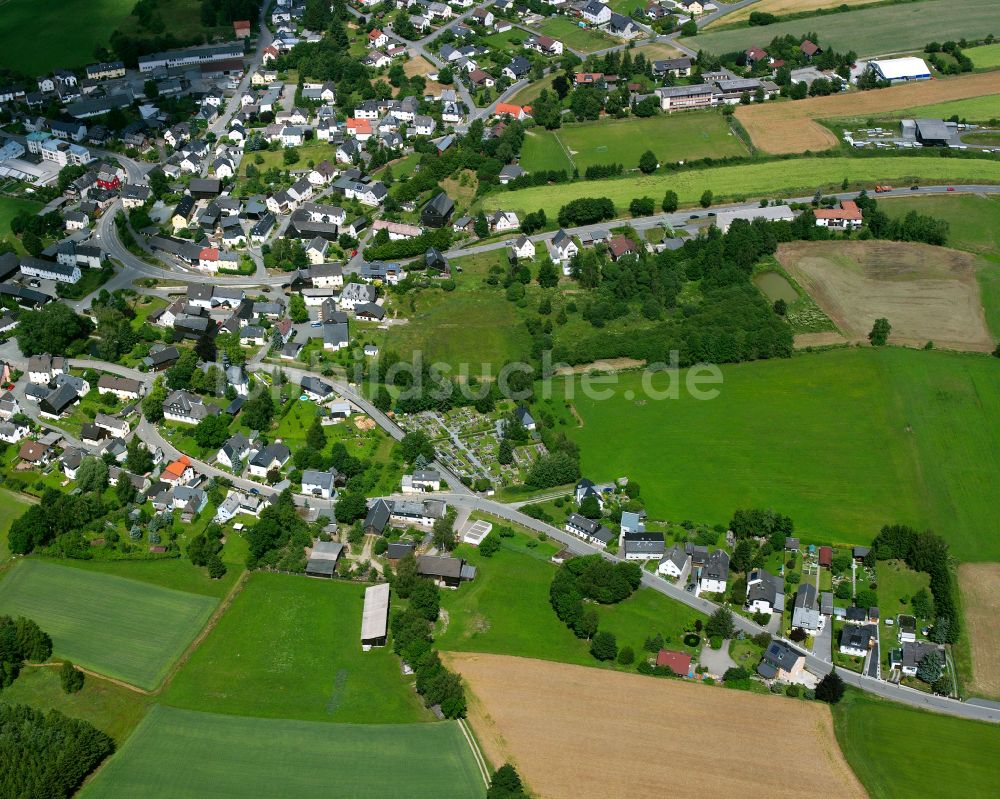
(643, 545)
(377, 517)
(437, 211)
(777, 656)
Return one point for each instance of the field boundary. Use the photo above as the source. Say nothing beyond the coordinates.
(477, 753)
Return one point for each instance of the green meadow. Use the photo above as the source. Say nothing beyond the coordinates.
(767, 179)
(290, 647)
(842, 441)
(11, 506)
(123, 628)
(676, 137)
(506, 610)
(175, 754)
(986, 56)
(973, 109)
(898, 752)
(889, 28)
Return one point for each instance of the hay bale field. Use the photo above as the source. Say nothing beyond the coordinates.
(586, 733)
(980, 585)
(927, 293)
(792, 127)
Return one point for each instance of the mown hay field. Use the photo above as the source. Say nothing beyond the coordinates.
(781, 8)
(980, 586)
(176, 754)
(927, 293)
(584, 733)
(126, 629)
(791, 127)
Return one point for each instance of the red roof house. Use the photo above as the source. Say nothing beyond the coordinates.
(678, 662)
(242, 28)
(620, 245)
(826, 556)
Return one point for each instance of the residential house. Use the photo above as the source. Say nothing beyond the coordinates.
(675, 564)
(714, 575)
(421, 481)
(446, 572)
(847, 217)
(765, 592)
(320, 484)
(183, 406)
(266, 459)
(781, 662)
(805, 611)
(596, 13)
(643, 546)
(589, 530)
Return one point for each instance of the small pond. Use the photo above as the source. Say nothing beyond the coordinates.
(776, 287)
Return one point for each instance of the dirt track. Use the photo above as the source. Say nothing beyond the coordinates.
(980, 584)
(927, 293)
(585, 733)
(789, 127)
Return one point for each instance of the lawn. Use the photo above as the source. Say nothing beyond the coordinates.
(289, 647)
(9, 208)
(868, 31)
(179, 753)
(130, 630)
(314, 151)
(769, 179)
(11, 506)
(506, 609)
(37, 39)
(986, 56)
(532, 91)
(109, 707)
(542, 150)
(583, 40)
(473, 325)
(898, 752)
(842, 441)
(673, 137)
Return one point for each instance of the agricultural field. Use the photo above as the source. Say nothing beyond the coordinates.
(694, 738)
(793, 128)
(181, 753)
(986, 56)
(176, 573)
(867, 31)
(873, 437)
(769, 179)
(122, 628)
(927, 293)
(11, 506)
(583, 40)
(883, 740)
(980, 586)
(506, 610)
(677, 137)
(109, 707)
(974, 109)
(51, 42)
(289, 647)
(781, 8)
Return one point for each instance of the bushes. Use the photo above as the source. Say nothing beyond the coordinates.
(586, 211)
(604, 646)
(20, 640)
(720, 624)
(830, 688)
(70, 677)
(591, 577)
(47, 754)
(411, 640)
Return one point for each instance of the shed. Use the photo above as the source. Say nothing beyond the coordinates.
(375, 616)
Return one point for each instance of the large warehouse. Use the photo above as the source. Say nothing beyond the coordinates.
(897, 70)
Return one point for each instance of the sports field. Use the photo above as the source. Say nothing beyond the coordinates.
(884, 741)
(842, 441)
(542, 150)
(577, 733)
(793, 127)
(38, 37)
(176, 754)
(986, 56)
(928, 293)
(769, 179)
(868, 31)
(781, 8)
(290, 647)
(677, 137)
(506, 610)
(123, 628)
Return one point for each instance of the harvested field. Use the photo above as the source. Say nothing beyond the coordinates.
(980, 585)
(825, 338)
(781, 8)
(658, 50)
(523, 709)
(417, 66)
(927, 293)
(792, 128)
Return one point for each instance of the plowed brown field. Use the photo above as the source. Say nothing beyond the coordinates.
(585, 733)
(790, 127)
(980, 584)
(927, 293)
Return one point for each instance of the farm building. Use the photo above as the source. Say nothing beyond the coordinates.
(375, 616)
(447, 572)
(773, 213)
(323, 560)
(897, 70)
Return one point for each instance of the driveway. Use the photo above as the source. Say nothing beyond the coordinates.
(717, 661)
